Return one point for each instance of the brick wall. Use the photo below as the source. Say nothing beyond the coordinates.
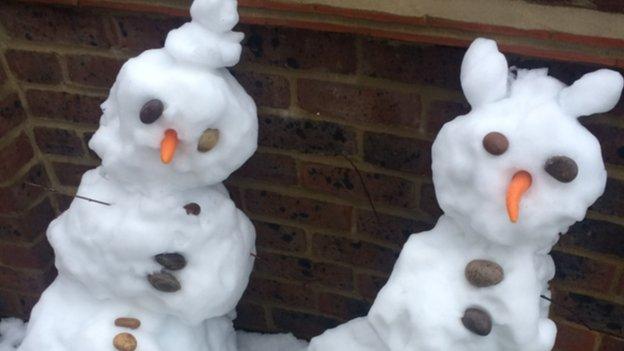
(328, 103)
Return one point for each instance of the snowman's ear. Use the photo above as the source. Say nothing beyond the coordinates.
(484, 73)
(595, 92)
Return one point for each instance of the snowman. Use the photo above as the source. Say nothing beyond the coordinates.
(511, 175)
(161, 260)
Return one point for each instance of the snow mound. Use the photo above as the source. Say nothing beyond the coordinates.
(12, 331)
(269, 342)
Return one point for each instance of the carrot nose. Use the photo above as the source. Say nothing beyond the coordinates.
(168, 146)
(520, 183)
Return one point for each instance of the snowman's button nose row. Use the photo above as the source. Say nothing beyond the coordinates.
(484, 273)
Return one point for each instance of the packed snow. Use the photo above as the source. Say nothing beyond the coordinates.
(269, 342)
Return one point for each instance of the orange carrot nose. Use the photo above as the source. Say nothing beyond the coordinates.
(520, 183)
(168, 146)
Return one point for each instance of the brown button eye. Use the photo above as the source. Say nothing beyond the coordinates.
(151, 111)
(496, 143)
(562, 168)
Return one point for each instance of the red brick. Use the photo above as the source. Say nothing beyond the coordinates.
(272, 168)
(409, 63)
(305, 270)
(600, 315)
(359, 104)
(29, 226)
(307, 136)
(611, 202)
(19, 196)
(274, 292)
(14, 156)
(267, 90)
(34, 67)
(139, 33)
(584, 273)
(11, 112)
(342, 307)
(428, 201)
(58, 141)
(65, 106)
(299, 49)
(398, 153)
(54, 24)
(345, 182)
(250, 317)
(93, 70)
(69, 174)
(595, 235)
(9, 304)
(356, 253)
(610, 343)
(369, 285)
(574, 338)
(280, 237)
(86, 137)
(440, 111)
(611, 140)
(391, 229)
(302, 325)
(311, 212)
(38, 256)
(30, 282)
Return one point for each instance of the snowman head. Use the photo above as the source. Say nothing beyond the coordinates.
(520, 168)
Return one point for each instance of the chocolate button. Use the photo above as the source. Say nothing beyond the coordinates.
(164, 281)
(171, 261)
(126, 322)
(477, 321)
(496, 143)
(562, 168)
(151, 111)
(192, 209)
(125, 342)
(484, 273)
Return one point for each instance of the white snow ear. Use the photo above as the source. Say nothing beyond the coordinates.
(595, 92)
(484, 73)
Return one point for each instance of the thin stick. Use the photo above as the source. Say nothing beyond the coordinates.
(367, 193)
(76, 196)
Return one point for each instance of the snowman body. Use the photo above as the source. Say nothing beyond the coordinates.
(511, 176)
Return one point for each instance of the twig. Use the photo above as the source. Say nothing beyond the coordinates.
(76, 196)
(366, 192)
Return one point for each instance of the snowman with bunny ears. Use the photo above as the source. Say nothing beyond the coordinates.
(511, 176)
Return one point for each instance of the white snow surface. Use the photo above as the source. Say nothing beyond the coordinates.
(422, 305)
(269, 342)
(12, 332)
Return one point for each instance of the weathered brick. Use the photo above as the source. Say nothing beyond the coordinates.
(38, 256)
(595, 235)
(393, 152)
(267, 90)
(342, 307)
(428, 201)
(280, 237)
(274, 292)
(30, 282)
(279, 169)
(93, 70)
(54, 25)
(19, 196)
(302, 325)
(34, 67)
(392, 229)
(58, 141)
(299, 49)
(69, 174)
(610, 343)
(29, 226)
(306, 136)
(65, 106)
(369, 285)
(611, 140)
(409, 63)
(598, 314)
(356, 253)
(441, 111)
(14, 156)
(312, 212)
(11, 113)
(574, 338)
(583, 272)
(345, 182)
(611, 202)
(139, 33)
(250, 317)
(305, 270)
(359, 104)
(9, 304)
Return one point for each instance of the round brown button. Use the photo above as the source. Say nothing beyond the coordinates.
(484, 273)
(151, 111)
(562, 168)
(477, 321)
(125, 342)
(495, 143)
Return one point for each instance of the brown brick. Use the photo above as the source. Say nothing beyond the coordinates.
(398, 153)
(250, 317)
(34, 67)
(342, 307)
(302, 325)
(280, 237)
(30, 282)
(11, 113)
(600, 315)
(611, 140)
(369, 285)
(272, 168)
(299, 49)
(29, 226)
(19, 196)
(574, 338)
(139, 33)
(345, 182)
(428, 201)
(306, 136)
(65, 106)
(305, 270)
(267, 90)
(27, 302)
(14, 156)
(567, 72)
(312, 212)
(274, 292)
(595, 235)
(54, 24)
(392, 229)
(410, 63)
(356, 253)
(9, 304)
(58, 141)
(620, 288)
(610, 343)
(63, 201)
(69, 174)
(38, 256)
(359, 104)
(235, 195)
(611, 202)
(87, 137)
(583, 272)
(3, 76)
(93, 70)
(440, 111)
